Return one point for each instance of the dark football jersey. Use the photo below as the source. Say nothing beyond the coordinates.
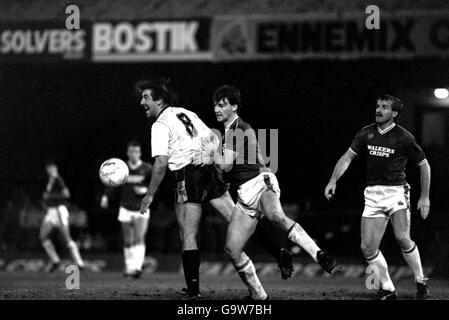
(56, 196)
(138, 177)
(387, 153)
(247, 164)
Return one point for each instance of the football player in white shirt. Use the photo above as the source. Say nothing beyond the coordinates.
(176, 136)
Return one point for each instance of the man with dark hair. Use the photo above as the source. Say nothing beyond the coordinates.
(134, 224)
(257, 188)
(56, 196)
(387, 147)
(177, 135)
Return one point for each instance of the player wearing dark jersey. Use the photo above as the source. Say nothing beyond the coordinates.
(56, 196)
(257, 188)
(388, 148)
(177, 135)
(134, 224)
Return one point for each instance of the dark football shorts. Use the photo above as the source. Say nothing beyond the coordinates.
(198, 184)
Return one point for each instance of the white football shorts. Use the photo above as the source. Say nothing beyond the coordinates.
(383, 201)
(250, 192)
(57, 216)
(128, 216)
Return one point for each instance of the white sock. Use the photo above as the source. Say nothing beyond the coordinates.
(413, 259)
(51, 251)
(74, 252)
(299, 236)
(379, 261)
(247, 273)
(140, 253)
(128, 254)
(135, 258)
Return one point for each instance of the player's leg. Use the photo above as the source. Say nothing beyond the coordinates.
(189, 216)
(65, 233)
(224, 205)
(140, 231)
(400, 220)
(240, 229)
(71, 246)
(128, 251)
(44, 233)
(272, 209)
(372, 231)
(125, 217)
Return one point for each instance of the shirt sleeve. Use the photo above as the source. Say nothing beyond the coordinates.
(358, 144)
(415, 152)
(160, 136)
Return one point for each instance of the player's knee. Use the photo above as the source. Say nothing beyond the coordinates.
(232, 252)
(70, 244)
(127, 243)
(278, 218)
(404, 241)
(139, 240)
(367, 250)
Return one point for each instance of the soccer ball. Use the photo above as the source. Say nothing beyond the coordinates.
(113, 172)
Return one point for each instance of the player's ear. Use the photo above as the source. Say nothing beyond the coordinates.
(234, 107)
(395, 114)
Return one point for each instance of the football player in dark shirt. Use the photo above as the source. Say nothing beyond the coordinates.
(257, 188)
(55, 199)
(134, 224)
(388, 147)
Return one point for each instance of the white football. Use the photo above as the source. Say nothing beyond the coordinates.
(113, 172)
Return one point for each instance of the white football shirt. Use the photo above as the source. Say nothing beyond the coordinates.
(177, 133)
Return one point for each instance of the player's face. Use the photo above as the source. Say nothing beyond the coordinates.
(224, 110)
(52, 170)
(134, 154)
(384, 112)
(151, 106)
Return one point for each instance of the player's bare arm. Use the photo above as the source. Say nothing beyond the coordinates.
(158, 174)
(340, 168)
(424, 201)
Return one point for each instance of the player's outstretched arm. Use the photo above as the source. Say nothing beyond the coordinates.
(424, 201)
(340, 168)
(158, 174)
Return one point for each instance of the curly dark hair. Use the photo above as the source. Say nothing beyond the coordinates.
(160, 89)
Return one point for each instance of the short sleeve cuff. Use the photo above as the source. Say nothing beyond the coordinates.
(422, 162)
(352, 150)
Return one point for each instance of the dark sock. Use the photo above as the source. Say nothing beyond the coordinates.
(191, 265)
(264, 236)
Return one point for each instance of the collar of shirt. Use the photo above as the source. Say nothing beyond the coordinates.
(135, 166)
(160, 113)
(230, 125)
(382, 132)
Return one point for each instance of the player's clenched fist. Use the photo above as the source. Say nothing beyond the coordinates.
(330, 190)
